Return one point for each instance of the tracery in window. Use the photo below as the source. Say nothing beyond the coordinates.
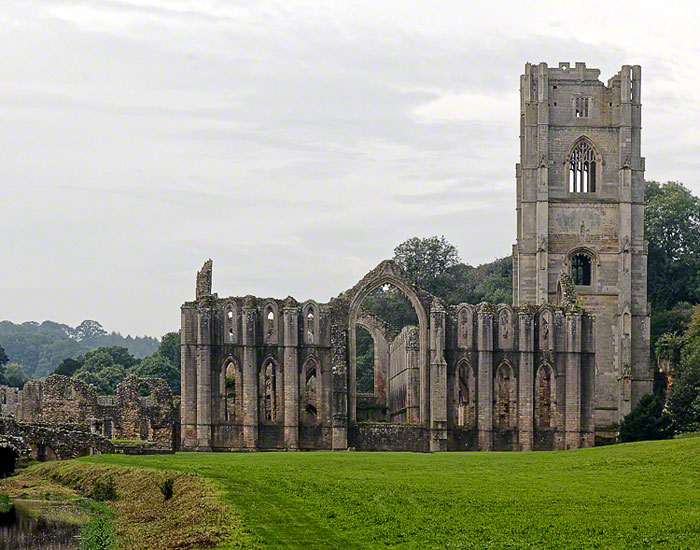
(581, 269)
(582, 167)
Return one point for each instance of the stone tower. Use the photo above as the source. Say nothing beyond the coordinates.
(580, 209)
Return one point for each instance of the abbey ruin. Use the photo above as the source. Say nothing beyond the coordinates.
(558, 368)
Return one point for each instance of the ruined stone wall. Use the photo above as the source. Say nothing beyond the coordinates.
(61, 400)
(262, 373)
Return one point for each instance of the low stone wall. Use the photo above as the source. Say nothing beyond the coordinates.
(388, 437)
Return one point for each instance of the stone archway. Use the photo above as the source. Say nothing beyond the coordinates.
(387, 273)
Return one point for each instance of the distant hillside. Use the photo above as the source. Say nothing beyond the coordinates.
(39, 348)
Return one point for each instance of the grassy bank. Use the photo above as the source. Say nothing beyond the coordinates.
(195, 516)
(641, 495)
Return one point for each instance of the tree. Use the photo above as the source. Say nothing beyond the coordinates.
(15, 376)
(170, 348)
(159, 366)
(3, 361)
(683, 400)
(672, 227)
(424, 259)
(68, 367)
(648, 420)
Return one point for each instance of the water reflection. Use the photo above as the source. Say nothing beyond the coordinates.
(26, 528)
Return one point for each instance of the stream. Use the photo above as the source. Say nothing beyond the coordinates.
(39, 525)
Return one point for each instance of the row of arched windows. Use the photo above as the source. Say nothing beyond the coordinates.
(505, 399)
(269, 391)
(310, 320)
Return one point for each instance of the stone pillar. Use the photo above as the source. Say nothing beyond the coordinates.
(188, 378)
(542, 209)
(438, 379)
(250, 376)
(484, 345)
(290, 315)
(413, 366)
(339, 362)
(204, 397)
(573, 381)
(526, 353)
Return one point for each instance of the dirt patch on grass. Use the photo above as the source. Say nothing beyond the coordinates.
(193, 518)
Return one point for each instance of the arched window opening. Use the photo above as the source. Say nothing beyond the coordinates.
(581, 269)
(269, 324)
(230, 314)
(466, 397)
(230, 335)
(310, 328)
(387, 359)
(107, 428)
(365, 360)
(144, 429)
(311, 392)
(144, 390)
(230, 387)
(269, 391)
(506, 400)
(544, 397)
(582, 166)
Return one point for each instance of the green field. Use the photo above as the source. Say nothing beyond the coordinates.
(641, 495)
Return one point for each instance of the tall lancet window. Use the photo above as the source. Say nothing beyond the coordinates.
(583, 167)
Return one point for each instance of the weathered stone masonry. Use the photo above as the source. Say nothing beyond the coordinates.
(128, 415)
(275, 374)
(580, 205)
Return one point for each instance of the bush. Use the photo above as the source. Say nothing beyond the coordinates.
(648, 420)
(104, 490)
(167, 487)
(98, 533)
(684, 394)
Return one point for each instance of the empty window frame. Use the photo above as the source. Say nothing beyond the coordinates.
(581, 107)
(582, 166)
(581, 269)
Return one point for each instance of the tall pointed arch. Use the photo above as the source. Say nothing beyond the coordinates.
(505, 397)
(583, 166)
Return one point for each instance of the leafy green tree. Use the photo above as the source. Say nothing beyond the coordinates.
(424, 259)
(15, 376)
(683, 400)
(170, 348)
(672, 227)
(3, 357)
(159, 366)
(648, 420)
(69, 366)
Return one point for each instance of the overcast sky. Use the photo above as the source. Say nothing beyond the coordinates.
(294, 143)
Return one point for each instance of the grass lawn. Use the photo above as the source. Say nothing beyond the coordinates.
(640, 495)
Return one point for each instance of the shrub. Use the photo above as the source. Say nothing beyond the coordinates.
(684, 394)
(167, 487)
(648, 420)
(104, 490)
(98, 533)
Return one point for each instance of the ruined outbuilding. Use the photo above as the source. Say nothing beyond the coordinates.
(142, 409)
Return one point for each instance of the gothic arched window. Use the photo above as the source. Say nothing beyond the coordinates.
(582, 168)
(581, 269)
